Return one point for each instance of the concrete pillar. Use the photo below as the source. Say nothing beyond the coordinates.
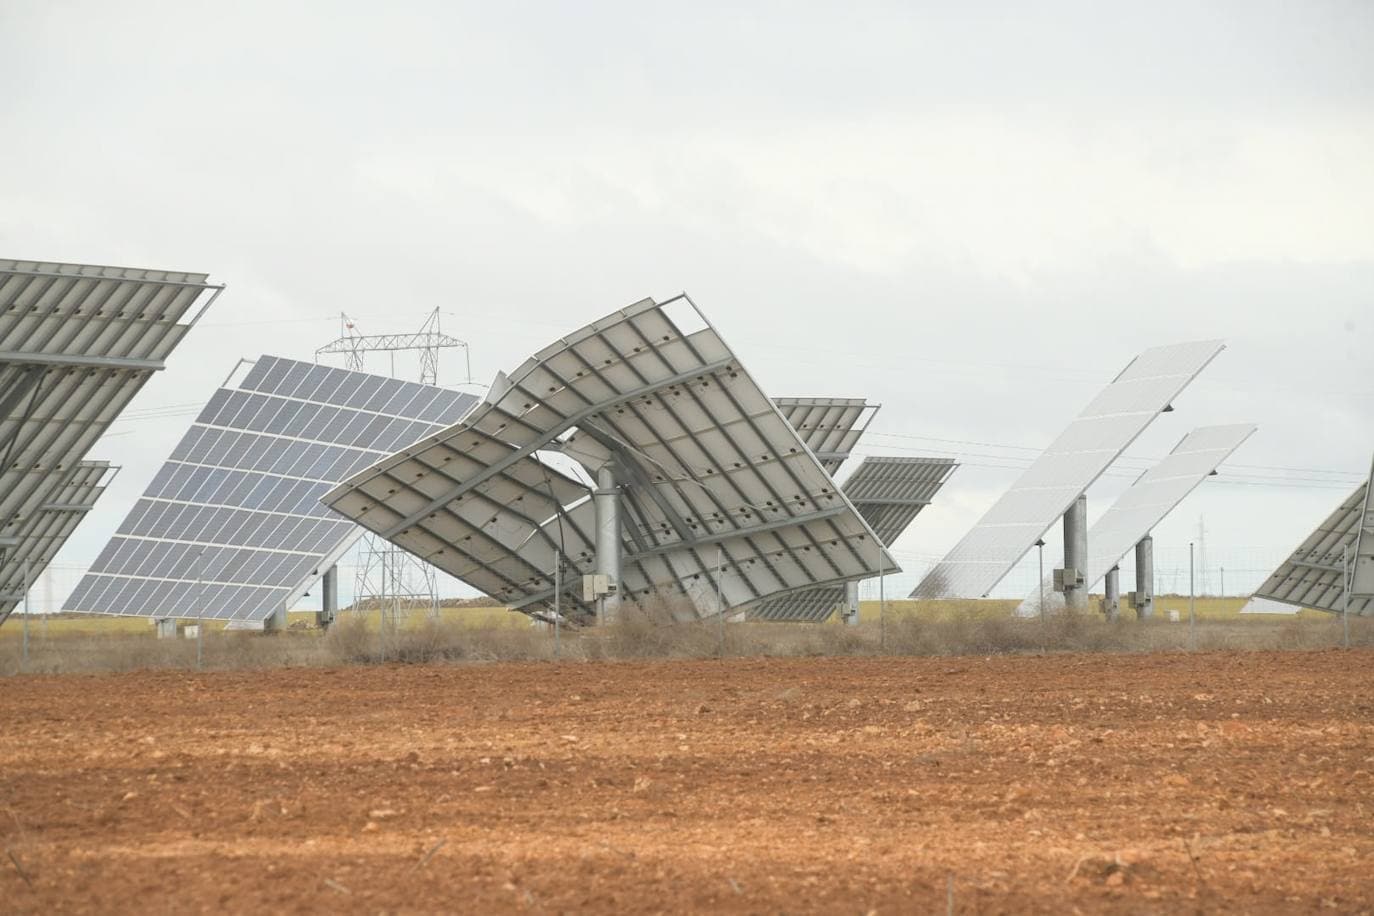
(1111, 603)
(1076, 552)
(329, 596)
(276, 622)
(851, 603)
(606, 502)
(1145, 578)
(166, 627)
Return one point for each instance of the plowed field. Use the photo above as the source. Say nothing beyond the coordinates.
(1154, 783)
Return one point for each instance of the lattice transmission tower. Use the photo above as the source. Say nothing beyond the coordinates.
(389, 578)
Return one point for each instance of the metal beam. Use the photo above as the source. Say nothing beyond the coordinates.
(84, 361)
(521, 453)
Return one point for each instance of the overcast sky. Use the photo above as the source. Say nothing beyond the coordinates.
(974, 214)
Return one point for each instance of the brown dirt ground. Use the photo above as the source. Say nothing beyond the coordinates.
(1142, 783)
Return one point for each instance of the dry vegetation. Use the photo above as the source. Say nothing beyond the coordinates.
(645, 633)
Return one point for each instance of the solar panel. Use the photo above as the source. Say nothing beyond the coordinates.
(1065, 470)
(830, 427)
(1147, 501)
(889, 492)
(77, 342)
(709, 473)
(1312, 576)
(236, 509)
(32, 541)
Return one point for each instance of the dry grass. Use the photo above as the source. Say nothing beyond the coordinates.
(952, 628)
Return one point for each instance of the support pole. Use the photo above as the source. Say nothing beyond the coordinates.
(851, 603)
(1040, 550)
(1111, 602)
(329, 596)
(26, 587)
(1192, 600)
(606, 502)
(1345, 596)
(557, 605)
(720, 605)
(882, 603)
(1145, 578)
(200, 609)
(1076, 553)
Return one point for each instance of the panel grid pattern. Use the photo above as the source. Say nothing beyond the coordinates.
(77, 343)
(830, 427)
(708, 470)
(1312, 576)
(889, 493)
(41, 535)
(1065, 470)
(236, 510)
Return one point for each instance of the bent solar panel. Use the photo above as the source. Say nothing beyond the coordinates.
(711, 476)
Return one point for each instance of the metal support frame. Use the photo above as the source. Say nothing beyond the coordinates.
(1076, 553)
(1145, 578)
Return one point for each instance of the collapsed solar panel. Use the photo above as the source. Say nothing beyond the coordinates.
(830, 427)
(236, 509)
(77, 342)
(1147, 501)
(889, 493)
(707, 473)
(1066, 469)
(37, 538)
(1312, 576)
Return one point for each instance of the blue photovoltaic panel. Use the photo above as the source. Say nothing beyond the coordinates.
(236, 510)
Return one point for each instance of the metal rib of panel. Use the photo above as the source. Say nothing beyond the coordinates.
(1312, 576)
(709, 471)
(889, 492)
(1065, 470)
(1147, 501)
(236, 509)
(830, 427)
(32, 541)
(77, 342)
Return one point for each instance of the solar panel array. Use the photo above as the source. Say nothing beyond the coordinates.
(35, 539)
(1147, 501)
(77, 343)
(1065, 470)
(830, 427)
(707, 464)
(1312, 576)
(232, 526)
(889, 492)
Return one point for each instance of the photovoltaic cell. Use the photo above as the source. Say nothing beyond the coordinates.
(1105, 428)
(232, 526)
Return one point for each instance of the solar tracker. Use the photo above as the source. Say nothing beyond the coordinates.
(29, 543)
(1312, 576)
(830, 427)
(707, 474)
(1147, 501)
(888, 492)
(236, 509)
(1065, 470)
(77, 342)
